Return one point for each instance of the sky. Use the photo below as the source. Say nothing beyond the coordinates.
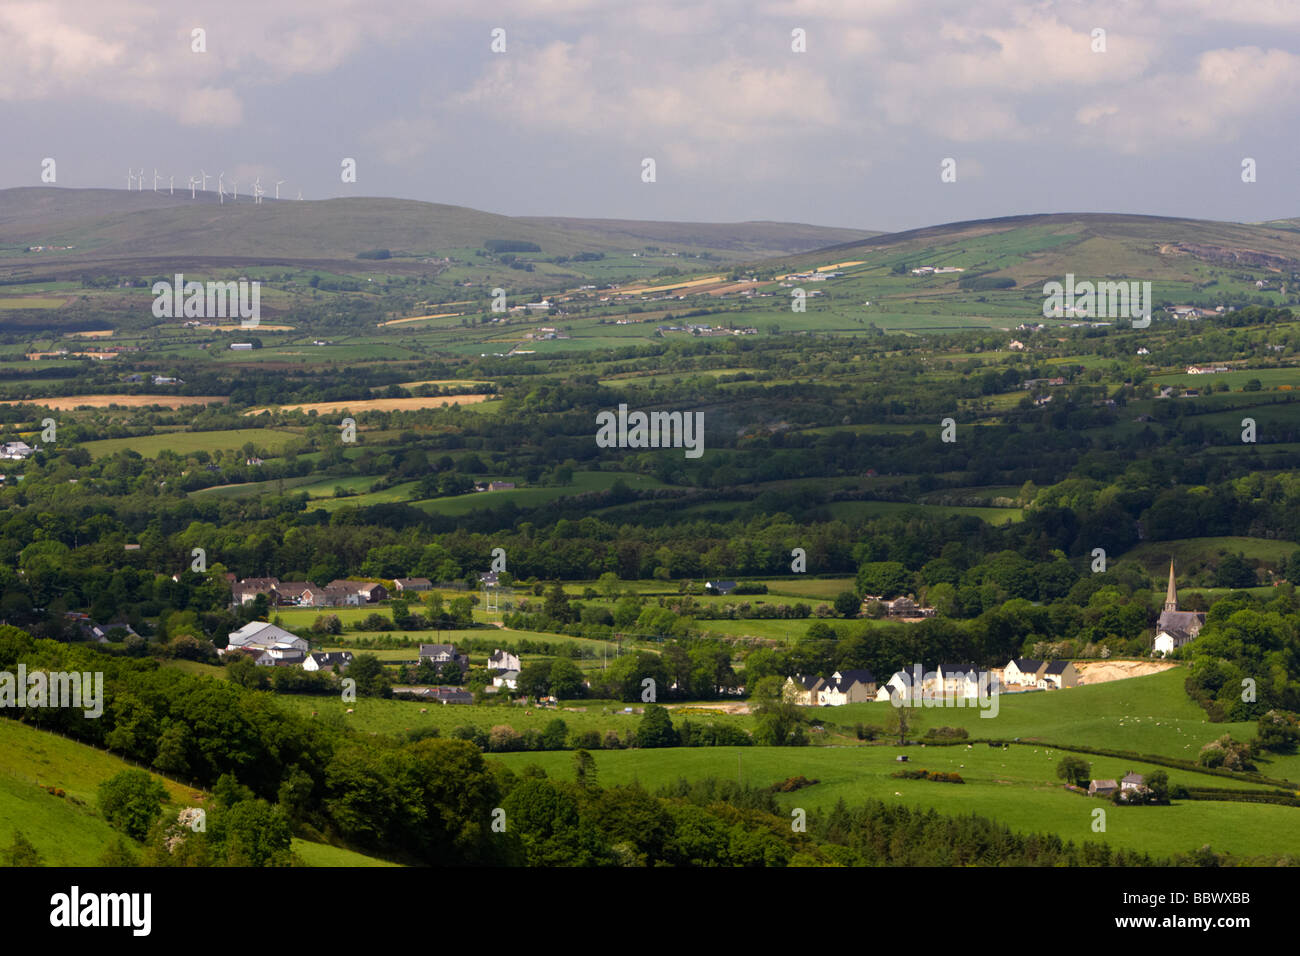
(1038, 111)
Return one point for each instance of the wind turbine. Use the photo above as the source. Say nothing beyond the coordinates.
(171, 185)
(234, 189)
(205, 179)
(278, 183)
(257, 190)
(221, 187)
(193, 182)
(155, 178)
(299, 195)
(130, 178)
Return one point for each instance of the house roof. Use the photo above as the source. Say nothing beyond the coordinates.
(432, 649)
(413, 582)
(1056, 667)
(861, 675)
(260, 632)
(1104, 784)
(1132, 777)
(1027, 665)
(295, 587)
(1187, 621)
(329, 659)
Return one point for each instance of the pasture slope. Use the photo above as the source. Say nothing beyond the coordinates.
(69, 830)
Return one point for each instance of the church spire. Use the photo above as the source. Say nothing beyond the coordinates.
(1171, 595)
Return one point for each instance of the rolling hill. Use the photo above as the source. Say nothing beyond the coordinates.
(107, 225)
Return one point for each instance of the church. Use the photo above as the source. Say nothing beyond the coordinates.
(1176, 628)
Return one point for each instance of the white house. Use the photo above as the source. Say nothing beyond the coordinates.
(803, 689)
(847, 687)
(901, 685)
(507, 678)
(1133, 782)
(1022, 672)
(327, 662)
(503, 661)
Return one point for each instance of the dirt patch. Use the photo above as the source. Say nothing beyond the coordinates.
(70, 402)
(1099, 672)
(724, 708)
(378, 404)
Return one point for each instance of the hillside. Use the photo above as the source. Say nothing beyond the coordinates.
(105, 225)
(69, 830)
(1037, 247)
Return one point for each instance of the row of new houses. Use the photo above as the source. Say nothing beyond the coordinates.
(337, 593)
(950, 680)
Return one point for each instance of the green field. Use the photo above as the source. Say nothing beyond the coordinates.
(69, 830)
(1016, 786)
(1188, 553)
(269, 440)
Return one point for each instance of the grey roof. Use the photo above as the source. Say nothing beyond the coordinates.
(1027, 665)
(1132, 777)
(862, 675)
(1056, 667)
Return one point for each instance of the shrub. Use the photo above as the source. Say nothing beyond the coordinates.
(131, 801)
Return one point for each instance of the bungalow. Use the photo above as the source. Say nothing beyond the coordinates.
(720, 587)
(489, 579)
(413, 584)
(503, 661)
(1102, 788)
(327, 661)
(368, 592)
(443, 695)
(1023, 672)
(299, 594)
(508, 679)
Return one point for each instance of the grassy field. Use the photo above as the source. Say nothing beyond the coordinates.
(1188, 553)
(69, 830)
(149, 446)
(1016, 786)
(379, 716)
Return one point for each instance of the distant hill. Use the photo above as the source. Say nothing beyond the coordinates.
(107, 225)
(1034, 247)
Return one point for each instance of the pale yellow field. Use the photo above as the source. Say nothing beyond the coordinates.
(94, 334)
(438, 381)
(378, 404)
(420, 318)
(261, 326)
(830, 268)
(707, 280)
(66, 403)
